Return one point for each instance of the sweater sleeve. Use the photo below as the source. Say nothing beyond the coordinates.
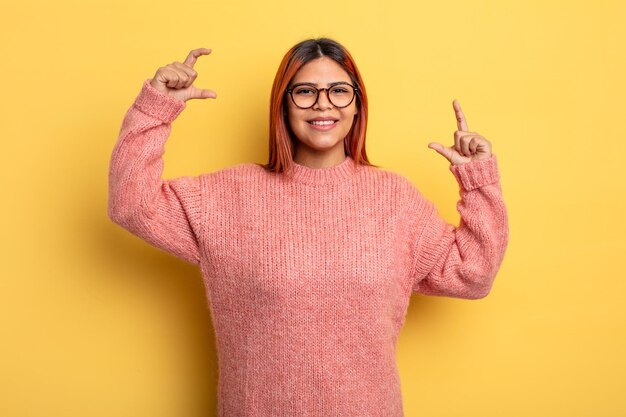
(165, 213)
(462, 262)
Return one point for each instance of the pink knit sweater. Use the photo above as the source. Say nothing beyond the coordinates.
(308, 278)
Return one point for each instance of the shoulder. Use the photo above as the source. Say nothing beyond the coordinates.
(387, 179)
(396, 187)
(236, 174)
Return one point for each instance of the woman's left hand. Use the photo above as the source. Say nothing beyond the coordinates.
(468, 146)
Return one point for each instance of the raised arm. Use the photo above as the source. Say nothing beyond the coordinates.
(165, 213)
(463, 261)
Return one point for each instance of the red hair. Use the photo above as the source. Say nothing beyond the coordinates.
(281, 139)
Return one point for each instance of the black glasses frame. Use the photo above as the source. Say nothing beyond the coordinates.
(317, 94)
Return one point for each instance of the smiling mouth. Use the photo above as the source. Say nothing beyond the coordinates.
(322, 122)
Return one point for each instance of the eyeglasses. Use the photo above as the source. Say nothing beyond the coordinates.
(339, 94)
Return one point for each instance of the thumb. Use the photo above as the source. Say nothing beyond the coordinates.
(445, 152)
(199, 93)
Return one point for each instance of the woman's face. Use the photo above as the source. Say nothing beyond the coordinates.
(322, 127)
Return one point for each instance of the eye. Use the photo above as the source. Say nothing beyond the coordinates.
(304, 91)
(339, 90)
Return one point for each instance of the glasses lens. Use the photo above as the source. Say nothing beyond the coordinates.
(304, 96)
(341, 95)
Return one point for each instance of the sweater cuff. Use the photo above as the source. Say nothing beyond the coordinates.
(475, 174)
(157, 104)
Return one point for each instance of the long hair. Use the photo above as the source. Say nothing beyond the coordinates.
(281, 138)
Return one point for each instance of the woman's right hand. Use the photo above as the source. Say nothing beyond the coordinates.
(176, 79)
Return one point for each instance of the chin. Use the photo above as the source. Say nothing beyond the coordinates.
(323, 145)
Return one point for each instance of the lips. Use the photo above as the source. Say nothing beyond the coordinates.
(322, 122)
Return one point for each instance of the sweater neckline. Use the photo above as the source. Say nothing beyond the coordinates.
(329, 175)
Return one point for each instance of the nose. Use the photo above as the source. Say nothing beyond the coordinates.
(322, 101)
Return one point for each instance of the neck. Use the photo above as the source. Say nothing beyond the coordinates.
(337, 174)
(319, 159)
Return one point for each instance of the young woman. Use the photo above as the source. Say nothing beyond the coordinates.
(308, 261)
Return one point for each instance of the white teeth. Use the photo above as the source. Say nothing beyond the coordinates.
(322, 122)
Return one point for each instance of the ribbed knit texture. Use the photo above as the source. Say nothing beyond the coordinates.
(308, 277)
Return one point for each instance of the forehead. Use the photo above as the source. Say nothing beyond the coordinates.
(321, 71)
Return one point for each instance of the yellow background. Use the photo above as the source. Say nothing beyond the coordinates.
(95, 322)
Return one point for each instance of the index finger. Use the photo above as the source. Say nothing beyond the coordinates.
(460, 117)
(193, 56)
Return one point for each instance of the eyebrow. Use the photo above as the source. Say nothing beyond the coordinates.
(315, 85)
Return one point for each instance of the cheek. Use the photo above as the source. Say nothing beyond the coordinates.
(351, 110)
(292, 115)
(292, 122)
(349, 115)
